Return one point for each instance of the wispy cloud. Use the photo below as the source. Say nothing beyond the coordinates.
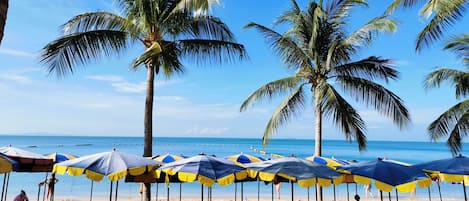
(206, 131)
(18, 75)
(120, 84)
(17, 53)
(169, 98)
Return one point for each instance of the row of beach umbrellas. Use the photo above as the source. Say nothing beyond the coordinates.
(208, 170)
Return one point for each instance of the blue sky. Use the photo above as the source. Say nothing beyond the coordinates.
(106, 98)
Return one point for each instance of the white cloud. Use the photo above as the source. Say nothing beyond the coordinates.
(129, 87)
(18, 75)
(206, 131)
(107, 78)
(169, 98)
(17, 53)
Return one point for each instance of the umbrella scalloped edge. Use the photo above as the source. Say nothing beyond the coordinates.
(454, 178)
(403, 188)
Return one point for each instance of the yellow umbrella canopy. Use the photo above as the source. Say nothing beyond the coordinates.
(115, 165)
(6, 164)
(205, 169)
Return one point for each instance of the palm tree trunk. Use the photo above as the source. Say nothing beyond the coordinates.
(148, 123)
(3, 17)
(318, 134)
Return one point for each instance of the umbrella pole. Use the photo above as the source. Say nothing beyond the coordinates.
(91, 190)
(202, 192)
(242, 190)
(308, 193)
(180, 191)
(291, 190)
(464, 187)
(315, 189)
(236, 190)
(6, 188)
(272, 191)
(38, 193)
(397, 195)
(348, 194)
(117, 189)
(381, 195)
(439, 190)
(3, 186)
(429, 195)
(258, 189)
(110, 193)
(156, 191)
(389, 195)
(44, 193)
(167, 191)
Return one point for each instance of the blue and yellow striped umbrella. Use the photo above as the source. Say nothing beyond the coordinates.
(115, 165)
(387, 174)
(305, 172)
(60, 157)
(167, 158)
(244, 158)
(6, 164)
(205, 169)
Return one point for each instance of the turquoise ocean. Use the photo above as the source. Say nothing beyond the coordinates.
(79, 187)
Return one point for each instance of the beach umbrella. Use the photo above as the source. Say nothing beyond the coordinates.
(205, 169)
(331, 162)
(305, 173)
(387, 174)
(168, 158)
(454, 169)
(28, 161)
(60, 157)
(6, 166)
(114, 164)
(243, 159)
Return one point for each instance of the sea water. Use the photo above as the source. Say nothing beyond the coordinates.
(70, 187)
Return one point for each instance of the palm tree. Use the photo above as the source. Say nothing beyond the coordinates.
(168, 30)
(454, 122)
(3, 17)
(443, 13)
(316, 46)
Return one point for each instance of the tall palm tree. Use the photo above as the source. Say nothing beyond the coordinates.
(443, 14)
(454, 122)
(317, 47)
(3, 17)
(168, 30)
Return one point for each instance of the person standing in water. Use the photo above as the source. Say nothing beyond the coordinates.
(50, 181)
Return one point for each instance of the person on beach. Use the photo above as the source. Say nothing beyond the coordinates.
(50, 181)
(21, 197)
(368, 191)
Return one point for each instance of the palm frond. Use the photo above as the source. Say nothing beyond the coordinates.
(291, 54)
(291, 105)
(457, 78)
(62, 55)
(364, 35)
(338, 9)
(200, 6)
(212, 51)
(401, 3)
(451, 122)
(446, 13)
(270, 90)
(170, 59)
(458, 133)
(376, 96)
(371, 68)
(290, 15)
(152, 52)
(343, 115)
(459, 45)
(211, 27)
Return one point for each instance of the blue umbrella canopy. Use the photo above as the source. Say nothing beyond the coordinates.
(387, 174)
(114, 164)
(305, 172)
(454, 169)
(60, 157)
(205, 169)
